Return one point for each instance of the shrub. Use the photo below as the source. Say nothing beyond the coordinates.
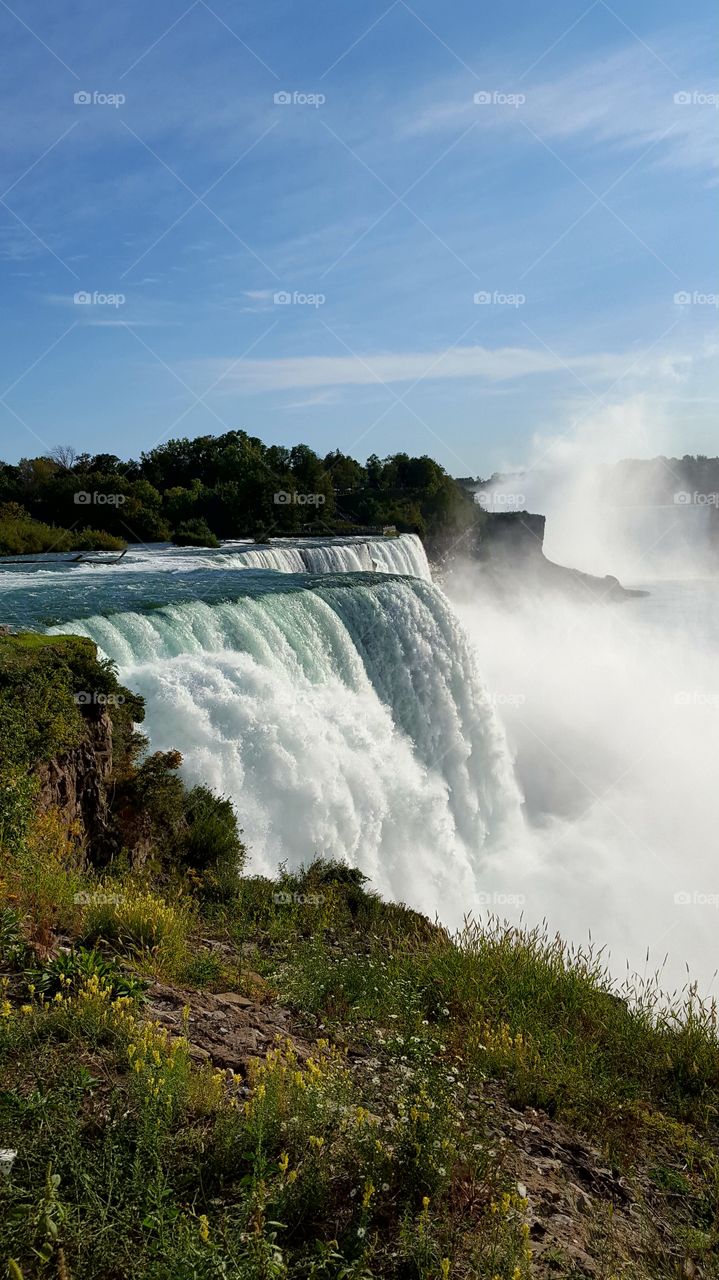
(136, 921)
(195, 533)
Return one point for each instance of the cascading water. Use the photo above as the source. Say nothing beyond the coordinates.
(344, 716)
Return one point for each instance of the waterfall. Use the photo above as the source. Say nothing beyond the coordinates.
(344, 719)
(403, 555)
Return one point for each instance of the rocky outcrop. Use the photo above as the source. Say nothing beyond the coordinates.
(508, 546)
(76, 783)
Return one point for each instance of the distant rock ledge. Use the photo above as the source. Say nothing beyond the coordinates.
(508, 547)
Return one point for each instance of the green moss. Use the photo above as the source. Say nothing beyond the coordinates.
(51, 689)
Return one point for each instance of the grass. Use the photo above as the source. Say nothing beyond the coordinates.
(131, 1160)
(374, 1155)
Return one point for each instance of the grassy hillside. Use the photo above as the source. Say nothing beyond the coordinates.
(208, 1074)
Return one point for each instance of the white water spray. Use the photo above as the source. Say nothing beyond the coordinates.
(345, 720)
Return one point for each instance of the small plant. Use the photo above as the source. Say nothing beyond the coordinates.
(14, 951)
(68, 971)
(139, 922)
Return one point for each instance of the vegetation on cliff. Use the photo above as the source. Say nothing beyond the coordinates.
(349, 1093)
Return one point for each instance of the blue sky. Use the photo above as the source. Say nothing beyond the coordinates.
(577, 197)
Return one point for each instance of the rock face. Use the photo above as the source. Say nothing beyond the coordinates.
(76, 783)
(508, 546)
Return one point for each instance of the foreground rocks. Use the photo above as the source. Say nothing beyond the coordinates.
(225, 1029)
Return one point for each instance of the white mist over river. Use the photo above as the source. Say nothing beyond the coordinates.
(551, 758)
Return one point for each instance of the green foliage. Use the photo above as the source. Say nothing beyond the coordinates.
(14, 951)
(192, 831)
(52, 690)
(70, 970)
(195, 533)
(22, 535)
(198, 491)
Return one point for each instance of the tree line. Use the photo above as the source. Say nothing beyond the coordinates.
(198, 491)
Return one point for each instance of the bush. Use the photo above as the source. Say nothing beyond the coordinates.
(195, 533)
(192, 831)
(135, 921)
(97, 540)
(212, 842)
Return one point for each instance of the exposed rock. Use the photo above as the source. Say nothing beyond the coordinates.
(226, 1029)
(76, 783)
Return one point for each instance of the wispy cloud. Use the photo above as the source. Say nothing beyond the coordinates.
(475, 362)
(623, 99)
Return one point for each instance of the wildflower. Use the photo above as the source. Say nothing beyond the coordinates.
(283, 1162)
(204, 1228)
(444, 1269)
(26, 1008)
(367, 1195)
(425, 1203)
(316, 1142)
(361, 1232)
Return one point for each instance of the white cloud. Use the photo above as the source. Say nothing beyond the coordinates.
(476, 362)
(623, 99)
